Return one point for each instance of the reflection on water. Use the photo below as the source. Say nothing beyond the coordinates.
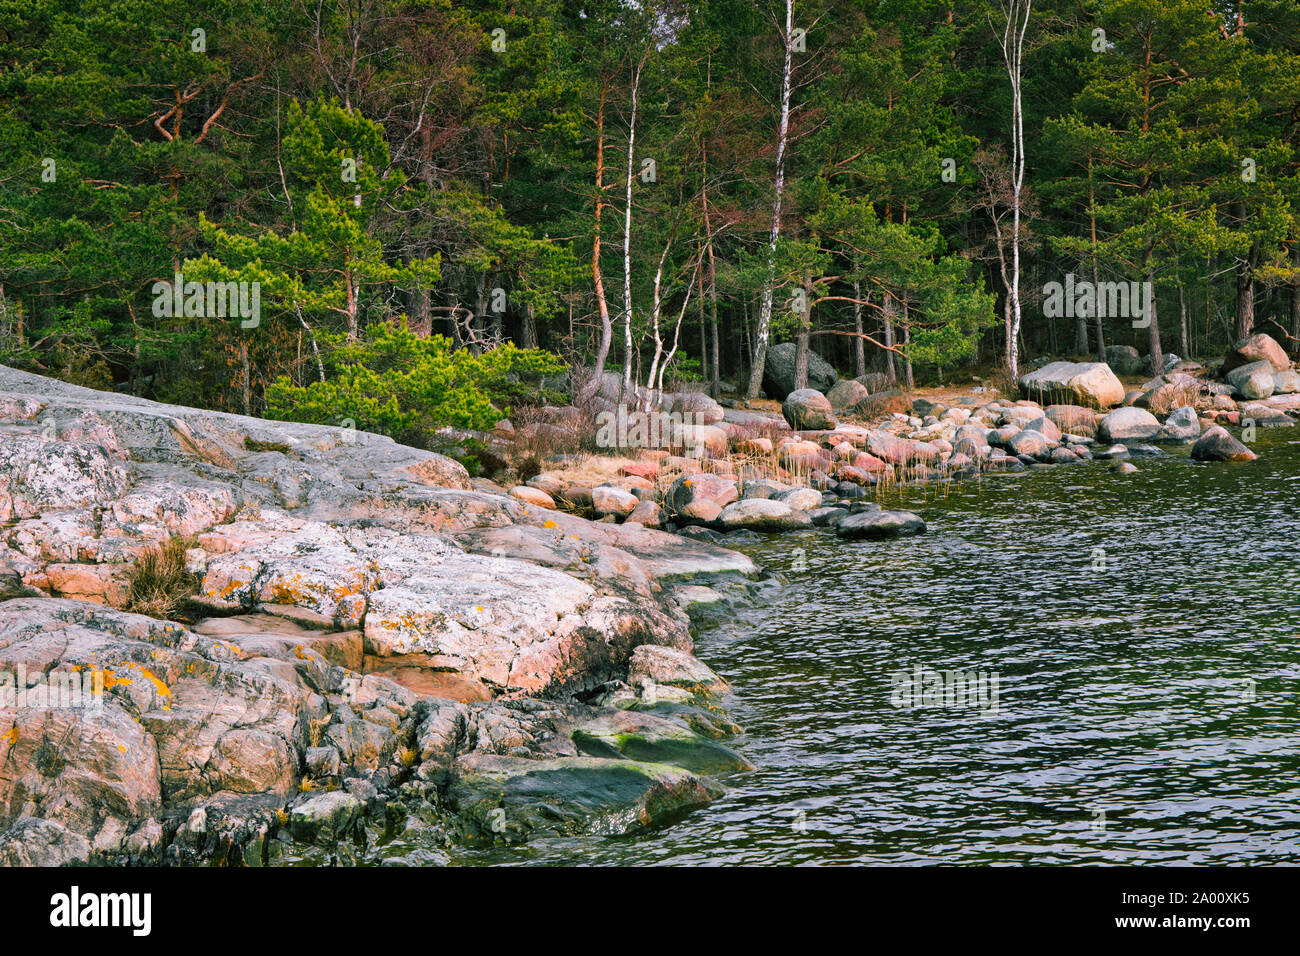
(1144, 633)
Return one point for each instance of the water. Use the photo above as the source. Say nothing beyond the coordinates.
(1147, 706)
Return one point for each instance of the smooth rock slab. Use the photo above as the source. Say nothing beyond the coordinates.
(638, 736)
(880, 524)
(514, 799)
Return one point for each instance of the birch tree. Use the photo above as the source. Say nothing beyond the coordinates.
(764, 331)
(1015, 23)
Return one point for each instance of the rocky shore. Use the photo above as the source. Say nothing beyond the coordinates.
(824, 459)
(377, 658)
(371, 645)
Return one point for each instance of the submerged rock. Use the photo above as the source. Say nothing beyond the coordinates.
(512, 800)
(880, 524)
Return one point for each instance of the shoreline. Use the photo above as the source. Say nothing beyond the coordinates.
(374, 647)
(381, 651)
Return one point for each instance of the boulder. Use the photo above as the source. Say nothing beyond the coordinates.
(778, 371)
(1256, 348)
(532, 496)
(801, 499)
(609, 500)
(514, 799)
(1286, 382)
(646, 513)
(671, 667)
(1252, 381)
(1084, 383)
(1073, 419)
(875, 382)
(1218, 445)
(700, 496)
(762, 514)
(879, 524)
(808, 410)
(1182, 425)
(1028, 443)
(801, 455)
(1172, 390)
(900, 451)
(1128, 424)
(695, 440)
(706, 410)
(847, 393)
(1124, 359)
(626, 734)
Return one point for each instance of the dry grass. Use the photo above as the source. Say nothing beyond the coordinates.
(158, 584)
(1176, 395)
(588, 471)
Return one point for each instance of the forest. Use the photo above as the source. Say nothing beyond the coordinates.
(438, 205)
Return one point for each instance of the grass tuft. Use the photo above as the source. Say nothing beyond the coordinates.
(159, 584)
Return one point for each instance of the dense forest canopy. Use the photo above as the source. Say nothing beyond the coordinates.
(432, 197)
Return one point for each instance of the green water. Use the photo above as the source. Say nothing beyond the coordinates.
(1147, 692)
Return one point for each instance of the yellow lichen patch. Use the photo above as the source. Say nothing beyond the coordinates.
(300, 653)
(122, 748)
(110, 679)
(164, 692)
(11, 737)
(549, 524)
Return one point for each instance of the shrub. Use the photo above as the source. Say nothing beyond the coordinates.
(398, 384)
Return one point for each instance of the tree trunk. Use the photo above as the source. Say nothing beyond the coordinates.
(859, 344)
(606, 326)
(528, 330)
(1081, 335)
(805, 326)
(421, 314)
(1013, 44)
(1295, 300)
(888, 315)
(765, 310)
(1182, 322)
(627, 240)
(907, 340)
(1245, 275)
(1153, 333)
(1101, 339)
